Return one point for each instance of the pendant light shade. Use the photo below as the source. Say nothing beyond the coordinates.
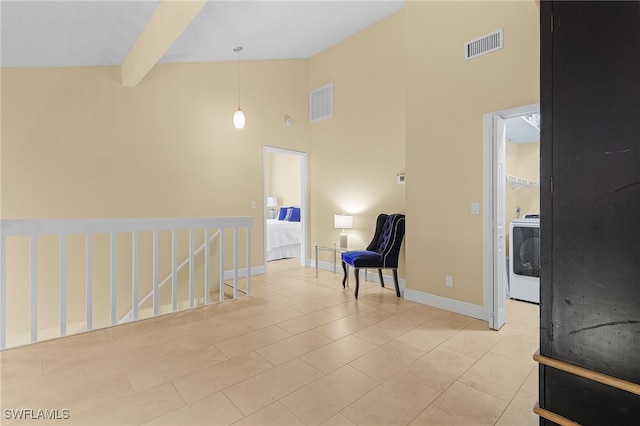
(238, 117)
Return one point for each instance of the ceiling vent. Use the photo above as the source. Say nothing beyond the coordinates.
(321, 106)
(482, 45)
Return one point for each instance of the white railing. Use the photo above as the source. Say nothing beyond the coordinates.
(64, 228)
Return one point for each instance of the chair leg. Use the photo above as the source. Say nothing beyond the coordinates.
(357, 274)
(395, 281)
(344, 278)
(381, 278)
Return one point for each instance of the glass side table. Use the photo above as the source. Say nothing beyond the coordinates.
(335, 251)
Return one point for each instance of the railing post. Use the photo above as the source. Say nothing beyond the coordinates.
(221, 297)
(63, 284)
(174, 270)
(134, 274)
(155, 273)
(89, 277)
(3, 291)
(248, 261)
(206, 266)
(235, 262)
(34, 287)
(191, 259)
(113, 272)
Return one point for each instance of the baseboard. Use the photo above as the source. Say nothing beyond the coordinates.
(372, 276)
(242, 272)
(457, 306)
(327, 266)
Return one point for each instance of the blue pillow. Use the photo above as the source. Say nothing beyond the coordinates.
(288, 215)
(283, 213)
(295, 214)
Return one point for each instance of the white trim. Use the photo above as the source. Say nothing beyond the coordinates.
(242, 272)
(488, 218)
(10, 227)
(463, 308)
(327, 266)
(388, 280)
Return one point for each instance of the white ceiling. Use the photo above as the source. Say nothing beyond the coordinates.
(520, 130)
(101, 32)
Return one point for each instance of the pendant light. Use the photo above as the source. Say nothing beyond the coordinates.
(238, 117)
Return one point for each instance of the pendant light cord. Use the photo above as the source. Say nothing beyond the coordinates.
(237, 50)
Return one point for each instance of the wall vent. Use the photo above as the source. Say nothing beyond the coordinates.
(321, 100)
(482, 45)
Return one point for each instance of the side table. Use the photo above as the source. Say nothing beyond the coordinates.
(335, 251)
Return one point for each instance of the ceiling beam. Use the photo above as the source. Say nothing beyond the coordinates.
(169, 20)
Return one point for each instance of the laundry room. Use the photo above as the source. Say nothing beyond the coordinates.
(522, 204)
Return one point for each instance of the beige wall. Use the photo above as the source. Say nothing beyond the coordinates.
(283, 178)
(76, 143)
(356, 155)
(446, 98)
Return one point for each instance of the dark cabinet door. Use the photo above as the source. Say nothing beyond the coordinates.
(590, 206)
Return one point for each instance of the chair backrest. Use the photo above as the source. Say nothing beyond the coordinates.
(373, 245)
(388, 238)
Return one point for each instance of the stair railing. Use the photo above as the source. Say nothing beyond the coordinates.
(33, 228)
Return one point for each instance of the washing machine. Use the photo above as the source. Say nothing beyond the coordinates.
(524, 259)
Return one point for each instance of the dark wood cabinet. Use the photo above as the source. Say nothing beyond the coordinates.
(590, 207)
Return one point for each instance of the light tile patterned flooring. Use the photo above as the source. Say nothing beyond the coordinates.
(301, 350)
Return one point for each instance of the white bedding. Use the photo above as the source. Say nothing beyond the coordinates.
(283, 239)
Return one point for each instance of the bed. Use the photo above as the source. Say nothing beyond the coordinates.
(284, 235)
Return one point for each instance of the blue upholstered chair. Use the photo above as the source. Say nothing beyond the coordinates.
(381, 253)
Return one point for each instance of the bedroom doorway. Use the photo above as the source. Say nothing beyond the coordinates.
(499, 142)
(285, 185)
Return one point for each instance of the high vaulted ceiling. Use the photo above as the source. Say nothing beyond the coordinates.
(103, 32)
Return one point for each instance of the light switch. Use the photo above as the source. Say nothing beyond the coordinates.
(475, 208)
(253, 204)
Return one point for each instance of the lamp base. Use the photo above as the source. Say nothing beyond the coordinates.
(343, 240)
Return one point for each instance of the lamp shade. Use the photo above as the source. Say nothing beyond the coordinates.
(238, 119)
(342, 221)
(272, 201)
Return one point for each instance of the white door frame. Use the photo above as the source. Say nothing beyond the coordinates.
(303, 198)
(489, 217)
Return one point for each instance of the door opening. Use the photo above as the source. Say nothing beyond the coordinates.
(285, 183)
(502, 138)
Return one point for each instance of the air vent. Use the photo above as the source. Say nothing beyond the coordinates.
(321, 106)
(482, 45)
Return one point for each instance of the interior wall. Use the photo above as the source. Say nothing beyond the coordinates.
(446, 98)
(522, 161)
(77, 144)
(356, 155)
(283, 178)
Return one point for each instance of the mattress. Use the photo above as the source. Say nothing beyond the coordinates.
(283, 239)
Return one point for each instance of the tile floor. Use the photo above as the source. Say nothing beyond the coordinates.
(301, 350)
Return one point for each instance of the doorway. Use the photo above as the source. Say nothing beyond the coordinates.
(495, 219)
(285, 184)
